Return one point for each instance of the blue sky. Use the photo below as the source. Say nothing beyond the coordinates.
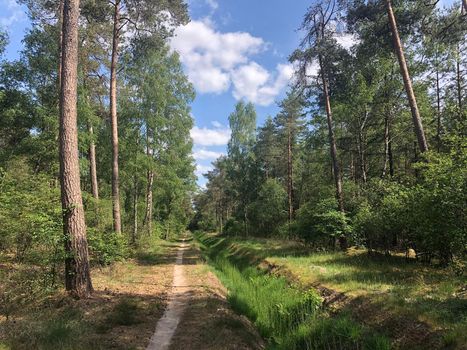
(231, 50)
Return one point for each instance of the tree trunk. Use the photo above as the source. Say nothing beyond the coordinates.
(459, 81)
(92, 163)
(113, 121)
(332, 142)
(438, 111)
(289, 173)
(386, 145)
(149, 202)
(77, 273)
(417, 121)
(361, 156)
(60, 40)
(135, 212)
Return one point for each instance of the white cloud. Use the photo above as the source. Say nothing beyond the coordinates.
(210, 137)
(202, 169)
(216, 124)
(12, 13)
(209, 55)
(255, 84)
(204, 154)
(215, 61)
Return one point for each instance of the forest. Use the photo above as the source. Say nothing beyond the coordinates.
(340, 222)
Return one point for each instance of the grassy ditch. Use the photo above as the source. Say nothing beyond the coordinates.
(286, 316)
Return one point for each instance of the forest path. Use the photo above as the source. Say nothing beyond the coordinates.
(178, 299)
(198, 316)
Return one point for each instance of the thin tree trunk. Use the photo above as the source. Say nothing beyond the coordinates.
(386, 145)
(391, 158)
(332, 142)
(92, 163)
(361, 156)
(289, 173)
(438, 110)
(117, 223)
(135, 212)
(417, 121)
(77, 273)
(459, 81)
(150, 183)
(149, 201)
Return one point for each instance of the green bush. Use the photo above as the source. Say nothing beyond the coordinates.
(321, 224)
(106, 247)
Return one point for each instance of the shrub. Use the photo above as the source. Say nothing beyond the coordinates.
(322, 224)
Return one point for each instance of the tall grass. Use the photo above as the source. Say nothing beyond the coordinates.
(286, 316)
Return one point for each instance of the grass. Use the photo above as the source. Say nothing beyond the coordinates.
(415, 305)
(129, 298)
(288, 317)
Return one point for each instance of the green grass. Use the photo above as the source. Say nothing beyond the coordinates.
(391, 288)
(288, 317)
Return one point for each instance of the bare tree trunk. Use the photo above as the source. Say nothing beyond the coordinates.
(438, 111)
(149, 201)
(77, 273)
(289, 174)
(92, 163)
(117, 222)
(332, 142)
(361, 156)
(135, 212)
(417, 121)
(386, 145)
(459, 81)
(60, 40)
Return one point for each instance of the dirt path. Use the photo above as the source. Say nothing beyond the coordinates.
(198, 316)
(179, 297)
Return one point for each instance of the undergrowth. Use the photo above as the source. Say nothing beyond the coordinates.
(288, 317)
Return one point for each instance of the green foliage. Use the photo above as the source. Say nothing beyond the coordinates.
(321, 224)
(106, 247)
(30, 221)
(269, 211)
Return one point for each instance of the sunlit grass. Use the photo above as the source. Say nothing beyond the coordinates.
(288, 317)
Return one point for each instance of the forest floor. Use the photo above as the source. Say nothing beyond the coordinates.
(414, 305)
(129, 299)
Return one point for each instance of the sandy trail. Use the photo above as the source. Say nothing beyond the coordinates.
(179, 297)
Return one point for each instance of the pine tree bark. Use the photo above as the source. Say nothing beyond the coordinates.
(77, 273)
(60, 39)
(117, 223)
(417, 121)
(332, 142)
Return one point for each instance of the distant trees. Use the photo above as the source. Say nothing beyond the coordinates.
(346, 130)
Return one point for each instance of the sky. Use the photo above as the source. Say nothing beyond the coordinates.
(231, 50)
